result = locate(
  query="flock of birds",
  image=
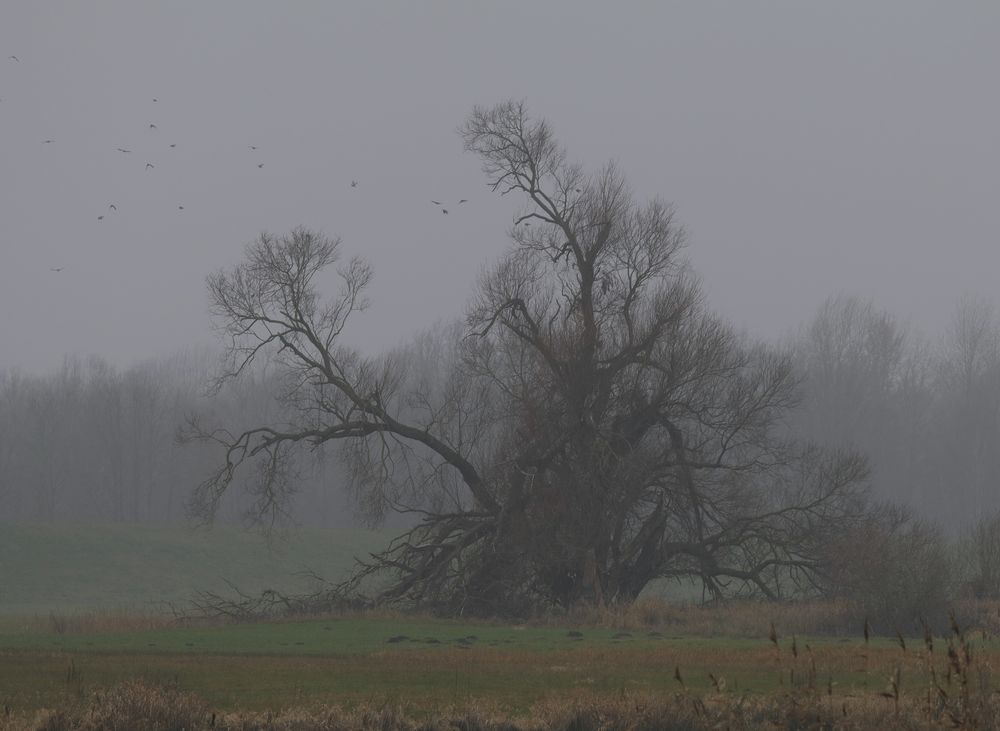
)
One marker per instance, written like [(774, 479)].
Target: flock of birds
[(444, 210), (113, 208)]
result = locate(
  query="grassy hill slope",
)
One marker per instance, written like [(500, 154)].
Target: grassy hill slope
[(67, 568)]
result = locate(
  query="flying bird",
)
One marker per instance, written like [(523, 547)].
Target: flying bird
[(100, 218), (437, 203), (444, 211), (14, 58), (464, 200), (174, 145), (152, 126), (56, 269), (113, 207), (122, 149), (150, 165), (47, 142), (260, 165), (155, 100), (180, 208), (354, 183), (252, 147)]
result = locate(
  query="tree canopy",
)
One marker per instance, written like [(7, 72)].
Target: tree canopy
[(590, 427)]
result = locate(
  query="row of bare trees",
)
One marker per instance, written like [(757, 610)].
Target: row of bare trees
[(86, 442), (927, 413), (90, 441), (94, 443)]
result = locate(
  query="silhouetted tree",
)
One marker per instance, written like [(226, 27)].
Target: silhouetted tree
[(592, 427)]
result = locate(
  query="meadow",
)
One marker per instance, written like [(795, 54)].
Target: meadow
[(425, 668), (67, 568), (64, 665)]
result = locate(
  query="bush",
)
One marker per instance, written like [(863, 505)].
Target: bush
[(980, 559), (897, 569)]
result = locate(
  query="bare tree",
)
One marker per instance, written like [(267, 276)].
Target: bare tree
[(853, 355), (968, 415), (867, 386), (591, 428)]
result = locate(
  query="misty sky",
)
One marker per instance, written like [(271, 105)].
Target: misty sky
[(810, 149)]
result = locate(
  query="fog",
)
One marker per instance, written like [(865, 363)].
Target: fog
[(812, 152)]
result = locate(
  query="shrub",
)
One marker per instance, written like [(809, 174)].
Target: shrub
[(896, 568), (980, 558)]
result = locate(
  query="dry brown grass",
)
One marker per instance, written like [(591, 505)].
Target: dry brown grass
[(752, 618), (100, 620), (905, 687), (136, 705), (729, 619)]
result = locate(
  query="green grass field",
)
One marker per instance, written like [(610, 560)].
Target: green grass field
[(60, 647), (422, 664), (73, 568)]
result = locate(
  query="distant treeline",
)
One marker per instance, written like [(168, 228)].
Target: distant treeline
[(925, 410), (97, 443), (91, 442)]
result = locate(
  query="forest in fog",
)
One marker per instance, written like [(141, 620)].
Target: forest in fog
[(93, 442)]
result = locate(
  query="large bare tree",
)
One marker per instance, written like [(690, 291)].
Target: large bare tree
[(591, 427)]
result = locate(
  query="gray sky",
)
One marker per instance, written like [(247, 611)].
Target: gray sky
[(810, 149)]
